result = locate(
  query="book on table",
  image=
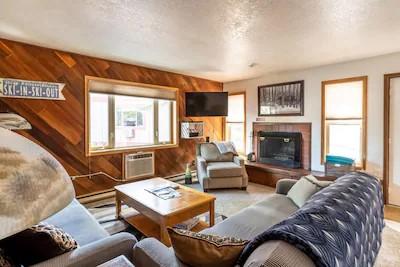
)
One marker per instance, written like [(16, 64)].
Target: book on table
[(164, 191), (188, 224)]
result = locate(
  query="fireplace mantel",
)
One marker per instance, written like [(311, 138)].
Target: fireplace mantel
[(303, 127)]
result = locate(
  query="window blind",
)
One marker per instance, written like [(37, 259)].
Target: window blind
[(235, 108), (132, 89), (344, 100)]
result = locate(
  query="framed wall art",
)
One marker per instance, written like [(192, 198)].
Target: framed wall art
[(281, 99)]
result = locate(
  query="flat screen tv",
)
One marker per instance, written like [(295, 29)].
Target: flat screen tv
[(201, 104)]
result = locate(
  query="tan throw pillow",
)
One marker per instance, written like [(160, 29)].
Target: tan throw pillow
[(195, 249), (304, 188), (301, 191), (319, 183), (38, 243)]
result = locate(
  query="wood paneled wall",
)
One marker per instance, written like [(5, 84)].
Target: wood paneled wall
[(59, 126)]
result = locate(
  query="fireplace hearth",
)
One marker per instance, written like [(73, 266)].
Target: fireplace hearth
[(280, 148)]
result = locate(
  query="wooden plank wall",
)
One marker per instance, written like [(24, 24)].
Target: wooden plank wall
[(59, 126)]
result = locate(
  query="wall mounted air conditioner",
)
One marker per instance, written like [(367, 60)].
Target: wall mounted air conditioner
[(138, 165)]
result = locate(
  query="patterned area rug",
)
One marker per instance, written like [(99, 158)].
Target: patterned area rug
[(104, 212), (229, 202)]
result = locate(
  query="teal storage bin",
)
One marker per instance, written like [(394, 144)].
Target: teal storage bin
[(338, 166), (339, 160)]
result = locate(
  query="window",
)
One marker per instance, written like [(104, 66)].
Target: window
[(235, 126), (344, 119), (123, 117)]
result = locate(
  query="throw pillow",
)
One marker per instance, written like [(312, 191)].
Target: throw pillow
[(195, 249), (5, 261), (38, 243), (301, 191), (319, 183), (304, 188)]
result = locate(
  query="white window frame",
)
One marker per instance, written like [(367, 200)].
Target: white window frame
[(325, 121), (236, 122), (111, 149)]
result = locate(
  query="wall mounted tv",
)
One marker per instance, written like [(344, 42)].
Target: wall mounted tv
[(201, 104)]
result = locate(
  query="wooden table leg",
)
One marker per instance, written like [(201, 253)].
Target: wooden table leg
[(212, 213), (164, 237), (117, 206)]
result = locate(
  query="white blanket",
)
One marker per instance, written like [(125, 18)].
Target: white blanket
[(226, 147)]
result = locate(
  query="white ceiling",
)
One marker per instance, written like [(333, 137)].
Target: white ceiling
[(214, 39)]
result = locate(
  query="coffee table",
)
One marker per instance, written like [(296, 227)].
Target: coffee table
[(156, 214)]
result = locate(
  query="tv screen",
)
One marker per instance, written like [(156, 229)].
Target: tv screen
[(201, 104)]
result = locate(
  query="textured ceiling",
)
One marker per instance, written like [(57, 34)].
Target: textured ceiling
[(213, 39)]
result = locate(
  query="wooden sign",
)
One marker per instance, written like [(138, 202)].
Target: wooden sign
[(31, 89)]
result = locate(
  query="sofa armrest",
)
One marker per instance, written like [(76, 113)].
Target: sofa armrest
[(150, 252), (283, 186), (95, 253), (238, 160)]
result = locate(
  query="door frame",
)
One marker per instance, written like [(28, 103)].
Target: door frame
[(386, 135)]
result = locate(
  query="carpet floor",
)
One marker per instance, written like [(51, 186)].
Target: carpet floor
[(229, 202)]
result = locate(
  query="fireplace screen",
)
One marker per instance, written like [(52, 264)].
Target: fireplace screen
[(280, 148)]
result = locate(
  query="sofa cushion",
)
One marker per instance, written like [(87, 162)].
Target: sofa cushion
[(79, 223), (255, 219), (210, 153), (196, 249), (223, 169)]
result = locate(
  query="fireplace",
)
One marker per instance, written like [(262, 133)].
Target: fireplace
[(280, 148)]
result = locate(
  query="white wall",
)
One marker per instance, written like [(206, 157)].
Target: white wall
[(374, 68)]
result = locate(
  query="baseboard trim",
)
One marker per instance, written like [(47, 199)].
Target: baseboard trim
[(96, 196)]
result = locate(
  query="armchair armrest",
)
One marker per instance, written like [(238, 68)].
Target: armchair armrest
[(283, 186), (201, 166), (150, 252), (238, 160), (200, 161), (95, 253)]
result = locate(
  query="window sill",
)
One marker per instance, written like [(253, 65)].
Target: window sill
[(129, 149)]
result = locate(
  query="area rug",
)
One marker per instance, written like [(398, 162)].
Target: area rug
[(231, 201), (389, 254), (104, 212)]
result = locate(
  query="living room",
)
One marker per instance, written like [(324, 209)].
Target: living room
[(199, 133)]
